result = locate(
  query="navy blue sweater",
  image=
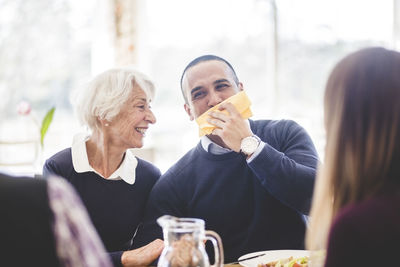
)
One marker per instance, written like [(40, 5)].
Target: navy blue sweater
[(253, 207), (116, 208)]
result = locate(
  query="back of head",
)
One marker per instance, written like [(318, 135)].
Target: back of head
[(362, 116), (362, 121), (106, 93)]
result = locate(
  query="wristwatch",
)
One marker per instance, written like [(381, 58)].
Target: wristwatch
[(249, 144)]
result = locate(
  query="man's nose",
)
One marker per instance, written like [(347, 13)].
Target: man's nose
[(214, 99)]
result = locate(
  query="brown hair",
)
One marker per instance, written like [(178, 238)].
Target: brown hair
[(362, 121)]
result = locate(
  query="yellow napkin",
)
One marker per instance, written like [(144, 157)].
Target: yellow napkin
[(240, 101)]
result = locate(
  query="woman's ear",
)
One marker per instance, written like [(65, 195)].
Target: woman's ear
[(103, 122)]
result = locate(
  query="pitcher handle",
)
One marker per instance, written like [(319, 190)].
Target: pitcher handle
[(218, 249)]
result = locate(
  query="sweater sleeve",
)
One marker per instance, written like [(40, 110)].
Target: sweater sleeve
[(50, 168), (76, 240), (287, 169), (163, 200), (116, 258)]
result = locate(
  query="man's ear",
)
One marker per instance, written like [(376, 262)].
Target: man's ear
[(188, 111), (240, 85)]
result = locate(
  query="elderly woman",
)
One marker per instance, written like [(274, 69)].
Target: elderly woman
[(113, 184)]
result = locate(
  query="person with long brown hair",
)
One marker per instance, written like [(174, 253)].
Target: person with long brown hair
[(355, 213)]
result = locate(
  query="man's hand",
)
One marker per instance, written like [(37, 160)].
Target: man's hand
[(231, 128), (143, 256)]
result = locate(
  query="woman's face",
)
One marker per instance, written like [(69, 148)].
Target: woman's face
[(129, 127)]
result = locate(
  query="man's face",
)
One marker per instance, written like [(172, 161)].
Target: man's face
[(207, 84)]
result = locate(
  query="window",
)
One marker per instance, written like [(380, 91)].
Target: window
[(282, 51)]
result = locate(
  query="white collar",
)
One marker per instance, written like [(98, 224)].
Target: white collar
[(80, 161), (212, 147)]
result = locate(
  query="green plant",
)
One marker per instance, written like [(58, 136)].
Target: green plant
[(48, 118), (24, 108)]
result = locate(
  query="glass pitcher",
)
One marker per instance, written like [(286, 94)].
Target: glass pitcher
[(184, 240)]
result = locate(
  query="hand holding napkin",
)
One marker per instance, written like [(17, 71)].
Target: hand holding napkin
[(240, 101)]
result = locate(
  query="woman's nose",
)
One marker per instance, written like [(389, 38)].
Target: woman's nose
[(150, 117)]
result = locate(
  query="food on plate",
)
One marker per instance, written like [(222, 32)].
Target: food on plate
[(287, 262)]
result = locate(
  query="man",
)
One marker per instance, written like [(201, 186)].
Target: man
[(251, 181)]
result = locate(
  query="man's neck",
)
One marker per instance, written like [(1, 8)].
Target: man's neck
[(216, 139)]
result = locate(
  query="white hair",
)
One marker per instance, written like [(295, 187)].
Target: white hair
[(104, 96)]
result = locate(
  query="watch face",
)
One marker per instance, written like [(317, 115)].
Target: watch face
[(249, 145)]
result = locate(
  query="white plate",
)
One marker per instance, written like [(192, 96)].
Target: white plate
[(271, 255)]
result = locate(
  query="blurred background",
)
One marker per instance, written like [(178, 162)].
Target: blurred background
[(282, 51)]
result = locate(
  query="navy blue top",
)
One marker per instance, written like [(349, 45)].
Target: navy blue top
[(26, 234), (116, 208), (366, 234), (253, 207)]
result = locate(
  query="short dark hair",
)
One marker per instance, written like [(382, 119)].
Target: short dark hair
[(202, 59)]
